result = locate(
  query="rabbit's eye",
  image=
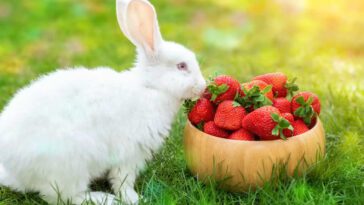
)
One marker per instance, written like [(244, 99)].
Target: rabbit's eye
[(182, 66)]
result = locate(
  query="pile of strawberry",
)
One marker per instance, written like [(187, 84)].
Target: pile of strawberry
[(265, 108)]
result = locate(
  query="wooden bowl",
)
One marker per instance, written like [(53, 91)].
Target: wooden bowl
[(241, 165)]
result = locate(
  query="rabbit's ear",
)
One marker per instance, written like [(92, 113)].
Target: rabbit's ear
[(138, 21)]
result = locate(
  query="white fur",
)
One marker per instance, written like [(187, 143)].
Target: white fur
[(73, 125)]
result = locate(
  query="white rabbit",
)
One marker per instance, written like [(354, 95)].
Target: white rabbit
[(73, 125)]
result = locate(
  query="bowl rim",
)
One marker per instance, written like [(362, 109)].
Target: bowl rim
[(288, 140)]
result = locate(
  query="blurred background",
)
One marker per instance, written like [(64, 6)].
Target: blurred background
[(243, 38), (320, 42)]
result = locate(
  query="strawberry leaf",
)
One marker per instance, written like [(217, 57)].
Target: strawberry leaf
[(290, 127), (267, 89), (305, 111), (260, 98), (300, 100), (254, 97), (275, 117), (275, 131), (300, 111), (282, 124), (213, 97), (216, 90), (222, 88)]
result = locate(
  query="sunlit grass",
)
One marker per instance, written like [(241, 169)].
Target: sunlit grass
[(320, 42)]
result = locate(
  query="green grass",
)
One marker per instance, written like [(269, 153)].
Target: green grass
[(321, 45)]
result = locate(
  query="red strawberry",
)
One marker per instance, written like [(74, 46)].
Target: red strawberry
[(279, 82), (223, 88), (202, 111), (282, 104), (211, 129), (299, 127), (255, 94), (306, 106), (242, 134), (229, 115), (266, 122), (288, 116)]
